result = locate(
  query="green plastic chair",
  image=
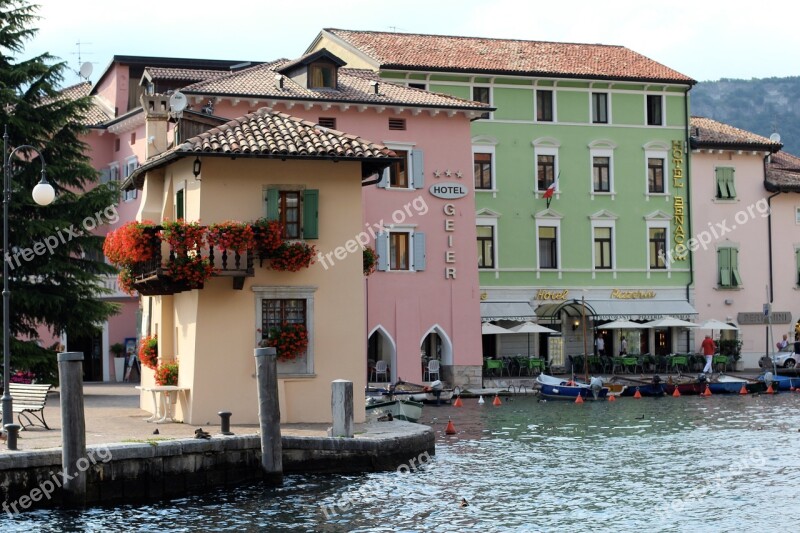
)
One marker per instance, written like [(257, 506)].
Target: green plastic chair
[(494, 364), (678, 362), (629, 363), (536, 364), (719, 360)]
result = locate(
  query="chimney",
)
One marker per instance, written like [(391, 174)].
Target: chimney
[(156, 110)]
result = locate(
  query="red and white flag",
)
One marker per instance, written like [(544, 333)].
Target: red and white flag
[(550, 190)]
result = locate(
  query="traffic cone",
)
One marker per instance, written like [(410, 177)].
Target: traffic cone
[(458, 402), (579, 399), (707, 391), (612, 398), (637, 394), (743, 390), (481, 400), (769, 389), (676, 393), (496, 400), (450, 429)]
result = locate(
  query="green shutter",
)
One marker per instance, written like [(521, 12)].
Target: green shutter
[(311, 214), (724, 261), (725, 186), (272, 204), (731, 187), (737, 280)]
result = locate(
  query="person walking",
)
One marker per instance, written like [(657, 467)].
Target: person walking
[(600, 345), (623, 347), (709, 347)]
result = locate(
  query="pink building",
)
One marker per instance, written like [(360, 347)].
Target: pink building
[(747, 234)]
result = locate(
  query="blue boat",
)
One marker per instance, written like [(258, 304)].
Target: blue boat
[(562, 389), (724, 384), (783, 382)]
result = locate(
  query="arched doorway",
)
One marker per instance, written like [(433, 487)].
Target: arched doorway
[(436, 345), (381, 347)]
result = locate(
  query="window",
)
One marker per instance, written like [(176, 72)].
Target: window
[(545, 171), (482, 95), (398, 172), (180, 204), (406, 173), (292, 305), (401, 250), (658, 247), (116, 144), (548, 247), (728, 264), (654, 110), (133, 138), (655, 175), (797, 266), (296, 209), (321, 76), (130, 165), (797, 215), (544, 106), (422, 86), (602, 248), (397, 124), (601, 174), (327, 122), (485, 246), (483, 170), (600, 108), (725, 186), (275, 313)]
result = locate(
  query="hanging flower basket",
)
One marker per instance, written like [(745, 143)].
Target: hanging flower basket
[(167, 374), (230, 235), (268, 236), (129, 244), (183, 236), (370, 260), (186, 240), (289, 340), (148, 351), (291, 257), (190, 269)]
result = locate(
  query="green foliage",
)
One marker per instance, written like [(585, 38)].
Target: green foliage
[(58, 289), (730, 347)]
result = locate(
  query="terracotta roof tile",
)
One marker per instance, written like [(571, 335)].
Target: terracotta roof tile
[(267, 133), (708, 133), (476, 54), (182, 74), (783, 173), (95, 115), (353, 86)]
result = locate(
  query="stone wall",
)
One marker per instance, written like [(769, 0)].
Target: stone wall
[(462, 376)]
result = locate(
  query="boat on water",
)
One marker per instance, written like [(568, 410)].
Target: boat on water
[(408, 410), (780, 382), (434, 394), (724, 384), (566, 389)]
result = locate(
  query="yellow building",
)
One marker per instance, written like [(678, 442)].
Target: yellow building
[(263, 164)]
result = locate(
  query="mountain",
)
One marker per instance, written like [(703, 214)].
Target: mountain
[(762, 106)]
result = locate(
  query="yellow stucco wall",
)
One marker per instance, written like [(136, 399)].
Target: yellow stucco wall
[(213, 330)]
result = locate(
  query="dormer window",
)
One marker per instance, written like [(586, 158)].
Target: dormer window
[(321, 76)]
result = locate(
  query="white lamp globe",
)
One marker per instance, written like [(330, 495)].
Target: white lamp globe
[(44, 194)]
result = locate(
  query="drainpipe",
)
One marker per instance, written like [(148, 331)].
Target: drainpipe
[(769, 237), (688, 188)]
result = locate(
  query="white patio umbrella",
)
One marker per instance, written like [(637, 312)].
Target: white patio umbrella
[(530, 327), (715, 324), (670, 322), (487, 328), (622, 324)]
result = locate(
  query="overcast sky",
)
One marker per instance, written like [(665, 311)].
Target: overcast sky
[(704, 39)]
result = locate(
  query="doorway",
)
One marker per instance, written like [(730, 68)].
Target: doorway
[(92, 348)]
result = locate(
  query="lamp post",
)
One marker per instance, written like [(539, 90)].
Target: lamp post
[(43, 194)]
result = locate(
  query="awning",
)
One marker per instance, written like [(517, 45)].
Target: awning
[(619, 309), (519, 311)]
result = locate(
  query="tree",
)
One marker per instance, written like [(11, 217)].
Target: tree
[(58, 287)]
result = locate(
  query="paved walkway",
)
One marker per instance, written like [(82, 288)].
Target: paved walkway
[(113, 415)]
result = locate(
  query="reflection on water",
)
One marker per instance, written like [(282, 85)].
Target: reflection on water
[(666, 464)]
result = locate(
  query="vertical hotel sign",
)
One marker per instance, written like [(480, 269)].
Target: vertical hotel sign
[(678, 203)]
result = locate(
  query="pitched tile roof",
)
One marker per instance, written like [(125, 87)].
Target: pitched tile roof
[(537, 58), (95, 115), (188, 75), (783, 173), (708, 133), (354, 86), (269, 134)]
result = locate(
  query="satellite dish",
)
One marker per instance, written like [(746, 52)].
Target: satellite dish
[(775, 137), (85, 70), (177, 102)]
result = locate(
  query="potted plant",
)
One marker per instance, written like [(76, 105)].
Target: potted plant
[(370, 260), (148, 351), (118, 351), (167, 374), (291, 257), (732, 348), (289, 340)]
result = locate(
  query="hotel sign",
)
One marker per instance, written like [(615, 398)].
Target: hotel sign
[(632, 295), (552, 295), (778, 317), (448, 190), (678, 204)]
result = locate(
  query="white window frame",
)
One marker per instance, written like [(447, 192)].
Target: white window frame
[(608, 121), (655, 154), (658, 224), (545, 146), (536, 105), (180, 186), (113, 171), (131, 163), (602, 152), (394, 228), (549, 223), (484, 149), (606, 223), (663, 110), (288, 293), (490, 221), (408, 148), (491, 97)]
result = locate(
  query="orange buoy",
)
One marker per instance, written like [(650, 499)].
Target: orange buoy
[(579, 399), (769, 389), (676, 393), (708, 391), (612, 398), (743, 390), (450, 429), (496, 400), (637, 394), (458, 402)]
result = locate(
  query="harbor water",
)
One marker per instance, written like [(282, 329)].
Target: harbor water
[(658, 464)]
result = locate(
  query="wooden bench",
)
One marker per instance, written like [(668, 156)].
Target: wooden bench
[(29, 400)]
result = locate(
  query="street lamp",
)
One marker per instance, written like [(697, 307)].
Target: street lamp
[(43, 194)]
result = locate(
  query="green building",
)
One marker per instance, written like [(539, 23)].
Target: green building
[(602, 127)]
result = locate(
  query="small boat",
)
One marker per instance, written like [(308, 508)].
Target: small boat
[(724, 384), (782, 382), (435, 393), (556, 388), (401, 409), (686, 385), (655, 387)]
